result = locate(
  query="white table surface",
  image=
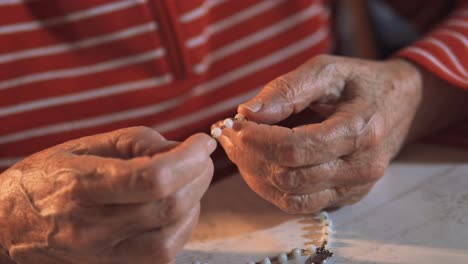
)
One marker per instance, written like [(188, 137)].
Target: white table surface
[(418, 213)]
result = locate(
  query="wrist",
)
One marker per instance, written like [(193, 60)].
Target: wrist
[(441, 103), (406, 95), (407, 77)]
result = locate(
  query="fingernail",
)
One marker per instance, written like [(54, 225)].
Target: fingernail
[(212, 144), (253, 106)]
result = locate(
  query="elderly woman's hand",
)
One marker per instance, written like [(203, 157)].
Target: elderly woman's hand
[(127, 196), (369, 108)]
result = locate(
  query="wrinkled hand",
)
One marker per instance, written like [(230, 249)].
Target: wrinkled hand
[(369, 107), (127, 196)]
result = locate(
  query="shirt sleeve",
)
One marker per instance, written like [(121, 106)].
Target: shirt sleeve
[(444, 50)]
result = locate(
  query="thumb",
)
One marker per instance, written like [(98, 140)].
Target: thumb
[(272, 104), (293, 92)]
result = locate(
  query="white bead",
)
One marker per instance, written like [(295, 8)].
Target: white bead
[(228, 123), (283, 258), (251, 262), (325, 222), (216, 132), (266, 261), (296, 253), (312, 249), (239, 117)]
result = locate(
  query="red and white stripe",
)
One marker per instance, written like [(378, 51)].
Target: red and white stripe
[(93, 66), (200, 11), (68, 18), (120, 75), (445, 50), (81, 44)]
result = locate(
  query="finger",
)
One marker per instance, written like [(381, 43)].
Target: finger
[(123, 143), (272, 144), (356, 125), (336, 174), (261, 160), (144, 179), (124, 220), (292, 203), (358, 169), (34, 254), (100, 225), (317, 80), (305, 179), (160, 245), (178, 204)]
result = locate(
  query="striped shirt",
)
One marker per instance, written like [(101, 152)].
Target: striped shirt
[(74, 68)]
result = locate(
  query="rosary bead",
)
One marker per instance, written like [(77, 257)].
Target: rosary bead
[(283, 258), (296, 253), (228, 123), (216, 132), (312, 249)]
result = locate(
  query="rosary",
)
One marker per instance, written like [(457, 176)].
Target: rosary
[(312, 254)]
